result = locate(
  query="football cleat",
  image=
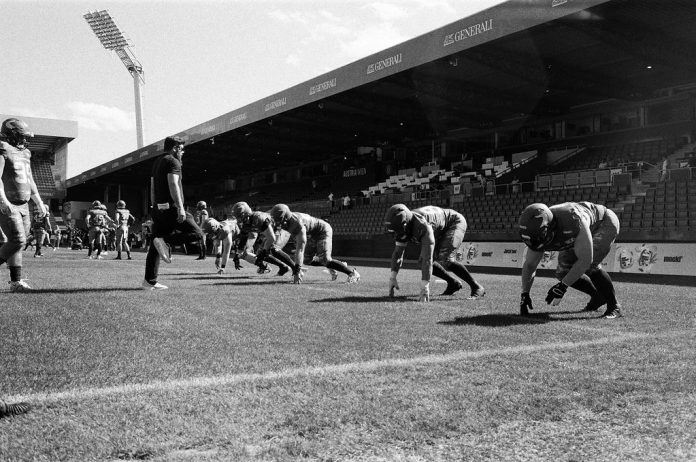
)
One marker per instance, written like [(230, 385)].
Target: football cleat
[(19, 286), (263, 269), (156, 286), (162, 249), (13, 409), (334, 274), (353, 277), (282, 271), (595, 303), (452, 288), (613, 312), (480, 292)]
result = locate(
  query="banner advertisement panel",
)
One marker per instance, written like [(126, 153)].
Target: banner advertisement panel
[(637, 258)]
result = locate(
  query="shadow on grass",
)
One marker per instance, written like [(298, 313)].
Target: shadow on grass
[(502, 320), (247, 281), (215, 277), (359, 299), (78, 290)]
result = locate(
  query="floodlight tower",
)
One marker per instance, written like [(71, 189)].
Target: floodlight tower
[(111, 37)]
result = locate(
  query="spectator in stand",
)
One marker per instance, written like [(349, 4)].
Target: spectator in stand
[(346, 201), (665, 169), (331, 200), (515, 185)]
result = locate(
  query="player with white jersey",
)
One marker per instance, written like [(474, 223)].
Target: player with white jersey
[(582, 233), (124, 219), (97, 221), (17, 186), (223, 234), (439, 232), (302, 227)]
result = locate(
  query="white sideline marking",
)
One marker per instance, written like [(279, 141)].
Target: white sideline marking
[(233, 379)]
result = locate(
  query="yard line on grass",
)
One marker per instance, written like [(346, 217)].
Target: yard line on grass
[(363, 366)]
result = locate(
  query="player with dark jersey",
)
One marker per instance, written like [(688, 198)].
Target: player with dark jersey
[(439, 232), (302, 227), (41, 229), (123, 219), (97, 221), (582, 233), (17, 186), (257, 228), (200, 217)]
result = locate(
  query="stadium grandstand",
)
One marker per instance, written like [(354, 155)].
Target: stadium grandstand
[(538, 100), (49, 161)]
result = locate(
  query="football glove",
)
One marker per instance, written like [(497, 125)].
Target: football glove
[(556, 293), (237, 265), (424, 292), (525, 304), (393, 284)]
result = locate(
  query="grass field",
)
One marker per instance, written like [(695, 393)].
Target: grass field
[(249, 367)]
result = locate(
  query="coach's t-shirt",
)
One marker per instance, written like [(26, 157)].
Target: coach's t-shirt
[(163, 166)]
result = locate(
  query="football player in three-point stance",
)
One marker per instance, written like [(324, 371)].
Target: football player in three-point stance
[(200, 217), (123, 220), (439, 232), (583, 233), (303, 227), (258, 226), (223, 233), (17, 186)]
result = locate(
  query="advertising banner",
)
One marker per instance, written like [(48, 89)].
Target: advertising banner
[(637, 258)]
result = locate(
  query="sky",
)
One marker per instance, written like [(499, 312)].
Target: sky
[(201, 58)]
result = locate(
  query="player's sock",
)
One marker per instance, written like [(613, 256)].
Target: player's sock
[(440, 272), (463, 273), (604, 286), (15, 273), (274, 261), (339, 266), (584, 285), (282, 256)]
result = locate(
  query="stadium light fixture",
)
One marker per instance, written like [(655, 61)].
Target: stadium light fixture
[(112, 38)]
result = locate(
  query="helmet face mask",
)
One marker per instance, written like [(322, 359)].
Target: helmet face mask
[(536, 226), (241, 211), (397, 221), (16, 132), (280, 213)]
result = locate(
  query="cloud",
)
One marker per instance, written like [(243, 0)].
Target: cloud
[(94, 116), (387, 11), (293, 59), (372, 40)]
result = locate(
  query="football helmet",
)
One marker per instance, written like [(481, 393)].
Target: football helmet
[(16, 132), (241, 211), (536, 226), (121, 204), (201, 205), (210, 226), (96, 204), (397, 219), (280, 213)]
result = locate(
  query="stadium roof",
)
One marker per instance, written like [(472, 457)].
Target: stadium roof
[(520, 60), (49, 134)]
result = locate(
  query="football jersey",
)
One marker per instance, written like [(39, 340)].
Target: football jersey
[(16, 174), (257, 222), (567, 216), (97, 218), (227, 228), (438, 218), (122, 217), (313, 226)]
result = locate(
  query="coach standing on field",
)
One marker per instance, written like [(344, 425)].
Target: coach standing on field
[(168, 213)]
